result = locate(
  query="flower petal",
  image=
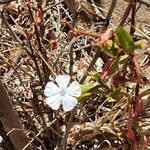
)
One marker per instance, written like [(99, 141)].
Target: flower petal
[(69, 102), (51, 89), (74, 89), (63, 81), (54, 101)]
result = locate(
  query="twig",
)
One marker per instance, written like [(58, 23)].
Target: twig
[(49, 7), (32, 55), (10, 29), (126, 14), (23, 46), (16, 65), (145, 2), (78, 49), (50, 68), (35, 104), (42, 51), (133, 13), (67, 13), (5, 1), (64, 140), (91, 65), (24, 148), (112, 7), (71, 57), (146, 36), (39, 140)]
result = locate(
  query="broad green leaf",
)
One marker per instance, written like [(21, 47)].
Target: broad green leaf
[(91, 88), (86, 87), (126, 41), (85, 91), (96, 75), (84, 97)]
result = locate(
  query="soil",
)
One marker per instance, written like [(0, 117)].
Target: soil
[(142, 16)]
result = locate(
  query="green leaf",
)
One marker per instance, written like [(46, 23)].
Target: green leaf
[(85, 91), (114, 49), (122, 61), (98, 90), (96, 75), (140, 44), (84, 97), (90, 88), (118, 64), (86, 87), (126, 41)]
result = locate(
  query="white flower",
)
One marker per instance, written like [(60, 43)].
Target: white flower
[(62, 93)]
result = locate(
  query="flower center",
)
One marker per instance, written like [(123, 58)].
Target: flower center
[(62, 92)]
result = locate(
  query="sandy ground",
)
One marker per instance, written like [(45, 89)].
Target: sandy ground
[(142, 17)]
